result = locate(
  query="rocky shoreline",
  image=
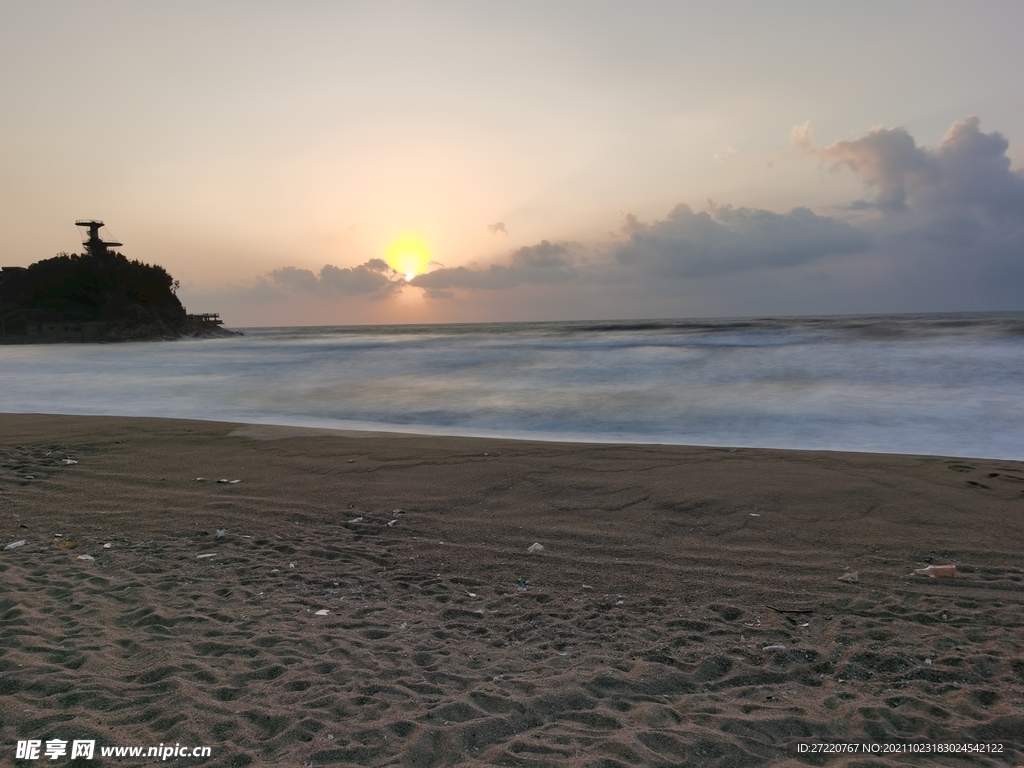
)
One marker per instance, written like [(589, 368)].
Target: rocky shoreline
[(70, 332)]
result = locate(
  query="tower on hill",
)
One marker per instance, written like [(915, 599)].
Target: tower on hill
[(93, 244)]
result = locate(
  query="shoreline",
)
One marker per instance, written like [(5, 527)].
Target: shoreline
[(280, 431), (637, 634)]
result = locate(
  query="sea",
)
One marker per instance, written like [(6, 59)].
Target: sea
[(946, 385)]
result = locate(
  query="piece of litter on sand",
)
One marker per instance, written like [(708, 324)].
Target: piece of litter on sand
[(471, 594), (397, 512), (67, 544), (535, 547), (274, 571), (850, 578), (936, 571), (30, 477), (392, 523), (356, 520), (15, 544), (108, 545), (199, 480), (86, 557), (68, 461), (219, 533), (291, 565), (208, 554), (774, 648), (754, 514), (228, 482), (322, 612)]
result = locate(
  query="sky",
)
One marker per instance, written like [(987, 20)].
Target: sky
[(321, 163)]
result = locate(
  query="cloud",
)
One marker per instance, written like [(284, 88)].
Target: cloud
[(888, 160), (728, 156), (939, 217), (968, 174), (802, 136), (544, 263), (726, 240), (685, 244), (939, 229), (374, 279)]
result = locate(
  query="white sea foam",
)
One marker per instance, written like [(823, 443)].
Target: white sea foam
[(931, 384)]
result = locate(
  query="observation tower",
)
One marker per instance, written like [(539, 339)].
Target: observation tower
[(93, 244)]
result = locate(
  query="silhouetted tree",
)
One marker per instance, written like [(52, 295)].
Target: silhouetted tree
[(78, 287)]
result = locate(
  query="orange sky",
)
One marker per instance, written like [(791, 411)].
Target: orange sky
[(229, 141)]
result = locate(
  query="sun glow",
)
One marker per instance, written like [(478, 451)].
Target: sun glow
[(408, 254)]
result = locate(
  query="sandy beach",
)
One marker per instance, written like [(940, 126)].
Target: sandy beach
[(373, 599)]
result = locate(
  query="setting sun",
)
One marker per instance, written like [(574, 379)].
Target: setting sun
[(409, 254)]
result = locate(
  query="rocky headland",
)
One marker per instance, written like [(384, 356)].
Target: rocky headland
[(97, 296)]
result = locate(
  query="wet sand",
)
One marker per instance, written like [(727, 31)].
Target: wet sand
[(636, 636)]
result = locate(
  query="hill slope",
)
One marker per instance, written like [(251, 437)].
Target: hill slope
[(119, 299)]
